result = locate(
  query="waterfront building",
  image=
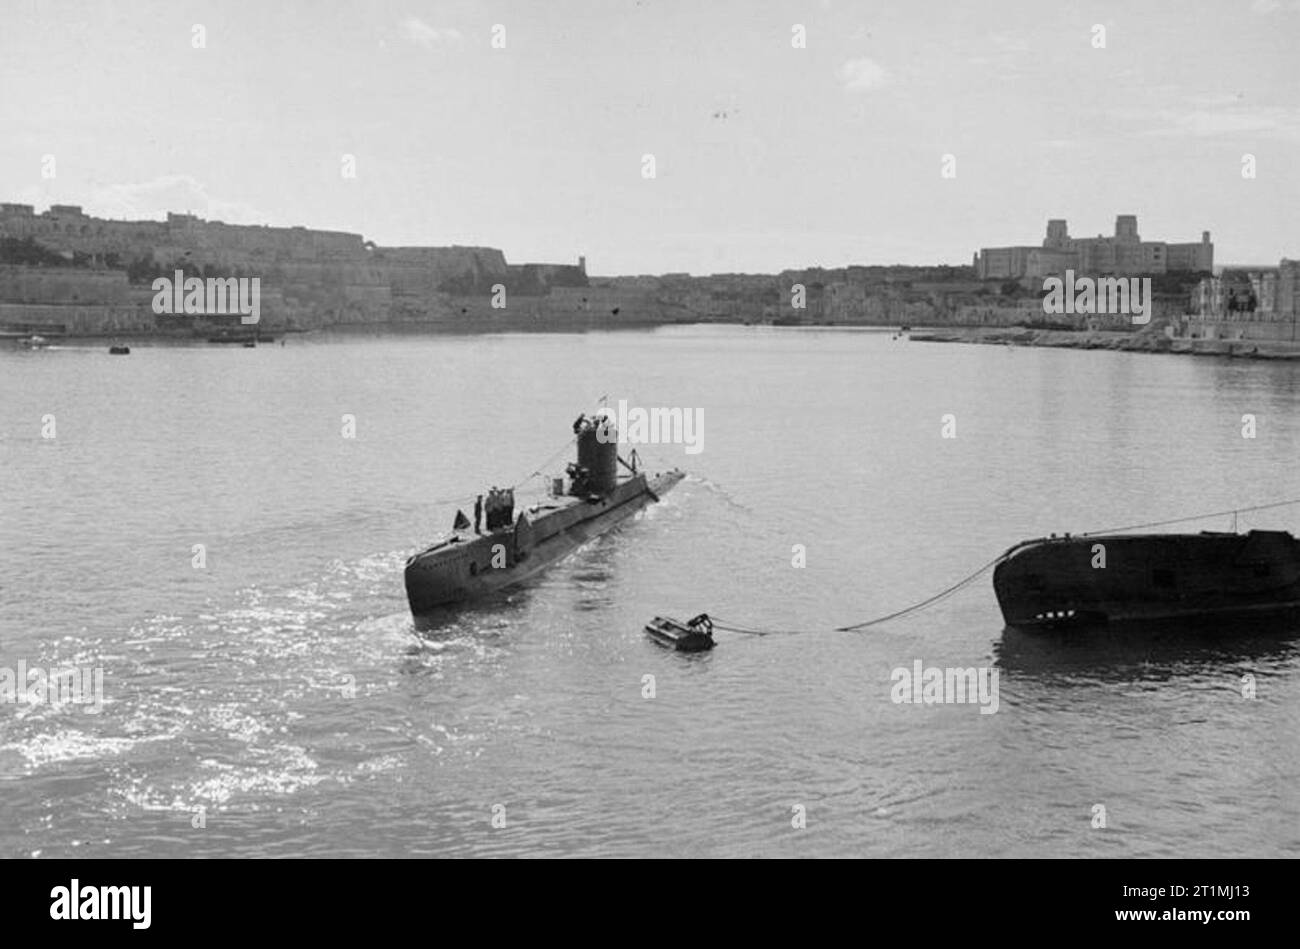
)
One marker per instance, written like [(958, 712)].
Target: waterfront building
[(1245, 304), (1123, 254)]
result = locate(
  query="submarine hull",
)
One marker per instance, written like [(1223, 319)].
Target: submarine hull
[(463, 568), (1137, 577)]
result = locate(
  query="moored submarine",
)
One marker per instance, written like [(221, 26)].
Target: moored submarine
[(594, 497), (1119, 578)]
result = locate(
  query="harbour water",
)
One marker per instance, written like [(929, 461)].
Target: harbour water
[(274, 699)]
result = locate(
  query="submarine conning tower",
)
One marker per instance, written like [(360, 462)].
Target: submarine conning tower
[(597, 454)]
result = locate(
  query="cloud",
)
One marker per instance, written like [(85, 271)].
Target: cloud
[(862, 75), (1007, 55), (1004, 43), (1265, 7), (422, 34), (1218, 100), (1203, 124), (151, 200), (1213, 116)]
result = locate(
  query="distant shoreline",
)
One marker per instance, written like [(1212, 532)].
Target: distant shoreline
[(1116, 341), (457, 328)]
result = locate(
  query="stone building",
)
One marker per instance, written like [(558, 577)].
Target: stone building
[(1124, 254), (1263, 295)]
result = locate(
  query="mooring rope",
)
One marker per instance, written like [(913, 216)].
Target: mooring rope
[(943, 594), (563, 448), (1187, 520), (728, 626), (545, 464), (961, 584), (467, 499)]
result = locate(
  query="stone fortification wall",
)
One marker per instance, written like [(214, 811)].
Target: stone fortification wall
[(62, 285), (310, 278)]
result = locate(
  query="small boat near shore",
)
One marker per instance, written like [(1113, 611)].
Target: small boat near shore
[(1115, 578), (248, 338), (119, 350)]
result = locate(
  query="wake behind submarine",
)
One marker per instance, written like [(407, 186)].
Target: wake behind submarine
[(593, 498)]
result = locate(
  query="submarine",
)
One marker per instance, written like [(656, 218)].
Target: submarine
[(1120, 578), (594, 497)]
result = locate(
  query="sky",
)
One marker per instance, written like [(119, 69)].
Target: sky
[(767, 154)]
